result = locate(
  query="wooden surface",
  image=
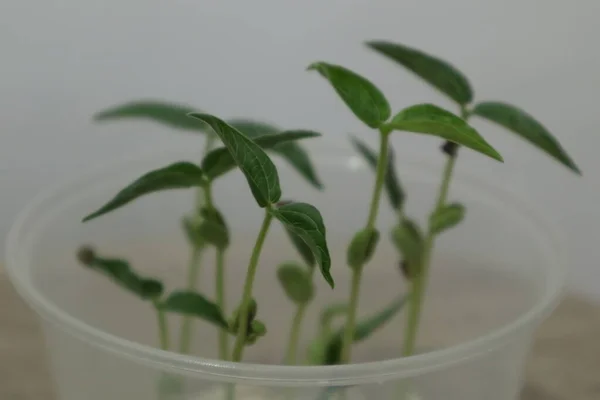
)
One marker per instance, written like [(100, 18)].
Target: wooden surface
[(565, 364)]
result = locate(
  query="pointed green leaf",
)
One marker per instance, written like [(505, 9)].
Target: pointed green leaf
[(306, 222), (365, 100), (168, 114), (524, 125), (362, 247), (296, 282), (435, 71), (284, 146), (409, 240), (332, 346), (258, 168), (446, 217), (120, 272), (433, 120), (302, 248), (213, 229), (180, 175), (392, 184), (195, 305)]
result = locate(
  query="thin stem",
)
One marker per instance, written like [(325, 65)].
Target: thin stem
[(220, 288), (163, 328), (290, 357), (371, 220), (247, 295), (192, 279), (419, 285)]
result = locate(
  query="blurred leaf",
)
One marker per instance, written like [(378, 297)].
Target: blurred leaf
[(365, 100), (258, 168), (180, 175), (296, 282), (190, 227), (409, 240), (432, 120), (305, 221), (328, 351), (213, 229), (433, 70), (392, 184), (524, 125), (168, 114), (120, 272), (446, 217), (195, 305), (362, 247)]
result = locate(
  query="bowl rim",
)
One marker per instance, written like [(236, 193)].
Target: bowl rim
[(279, 375)]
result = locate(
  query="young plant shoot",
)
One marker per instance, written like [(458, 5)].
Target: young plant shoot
[(245, 147)]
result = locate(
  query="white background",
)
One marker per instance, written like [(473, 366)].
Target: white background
[(62, 60)]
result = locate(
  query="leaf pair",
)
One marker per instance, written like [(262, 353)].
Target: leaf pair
[(326, 349), (176, 116), (450, 81)]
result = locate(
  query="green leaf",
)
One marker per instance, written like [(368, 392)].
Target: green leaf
[(362, 247), (213, 229), (392, 184), (331, 346), (306, 222), (524, 125), (180, 175), (120, 272), (290, 151), (435, 71), (190, 227), (432, 120), (168, 114), (302, 248), (365, 100), (446, 217), (296, 283), (195, 305), (258, 168), (409, 240)]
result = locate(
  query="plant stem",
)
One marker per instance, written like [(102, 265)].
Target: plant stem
[(419, 285), (163, 328), (357, 272), (220, 288), (186, 325), (290, 357), (247, 295)]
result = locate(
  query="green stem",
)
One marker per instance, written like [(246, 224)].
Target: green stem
[(193, 272), (290, 357), (357, 272), (163, 328), (240, 342), (419, 285), (220, 288)]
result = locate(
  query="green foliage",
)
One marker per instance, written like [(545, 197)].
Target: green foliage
[(213, 228), (168, 114), (365, 100), (296, 282), (433, 120), (326, 349), (409, 240), (446, 217), (527, 127), (393, 188), (433, 70), (180, 175), (258, 168), (302, 248), (306, 222), (120, 272), (195, 305), (362, 247)]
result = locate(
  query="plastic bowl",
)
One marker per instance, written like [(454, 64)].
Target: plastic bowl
[(494, 278)]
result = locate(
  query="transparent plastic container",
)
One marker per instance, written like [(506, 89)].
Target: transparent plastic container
[(494, 278)]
